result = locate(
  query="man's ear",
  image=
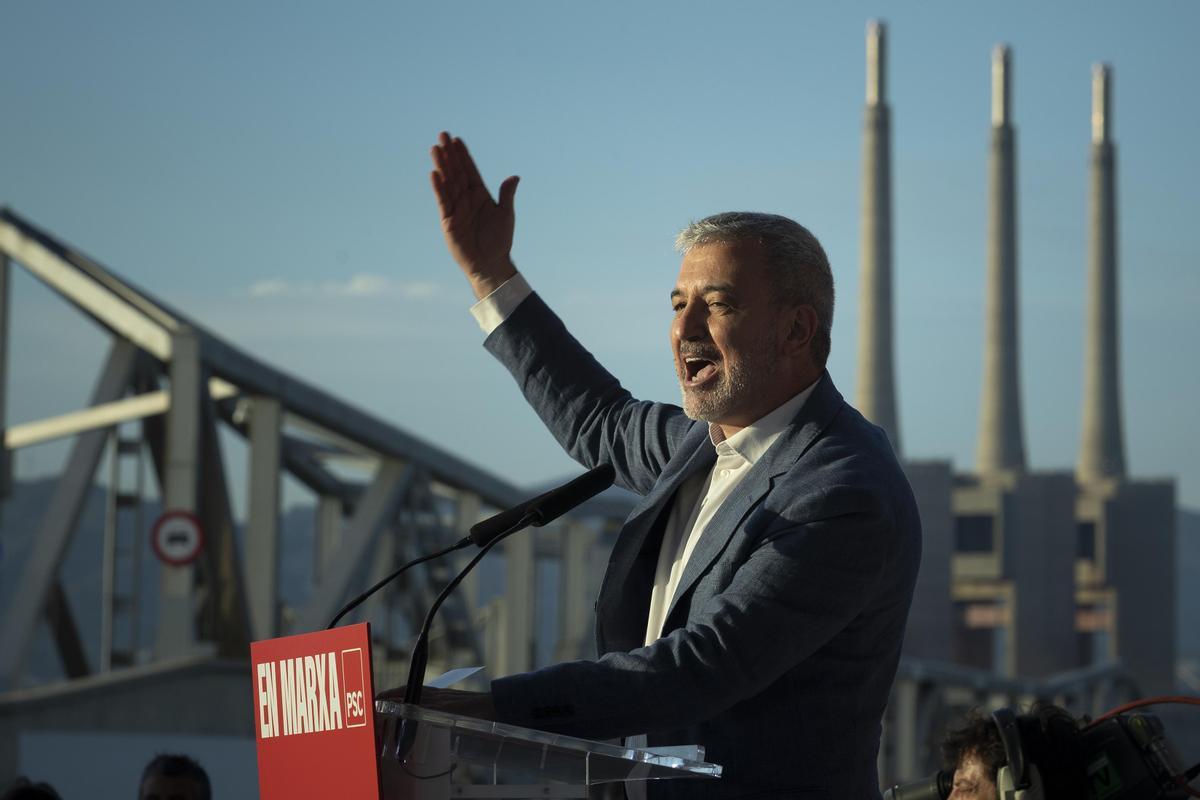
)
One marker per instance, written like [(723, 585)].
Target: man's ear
[(802, 327)]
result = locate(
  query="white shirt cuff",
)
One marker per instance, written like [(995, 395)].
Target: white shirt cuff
[(492, 310)]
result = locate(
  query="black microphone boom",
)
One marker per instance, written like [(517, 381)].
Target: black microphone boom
[(483, 532), (555, 503), (546, 507)]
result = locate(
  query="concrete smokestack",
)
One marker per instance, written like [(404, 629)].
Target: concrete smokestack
[(1102, 450), (876, 375), (1001, 438)]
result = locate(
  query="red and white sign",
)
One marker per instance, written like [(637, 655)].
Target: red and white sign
[(177, 538), (314, 721)]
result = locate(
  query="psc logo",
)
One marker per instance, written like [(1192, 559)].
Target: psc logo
[(355, 688)]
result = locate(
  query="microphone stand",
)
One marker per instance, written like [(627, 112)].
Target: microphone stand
[(346, 609), (420, 653)]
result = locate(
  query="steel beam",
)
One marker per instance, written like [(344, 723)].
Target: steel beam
[(104, 415), (328, 535), (116, 304), (376, 508), (520, 585), (384, 559), (5, 453), (224, 618), (467, 513), (299, 461), (262, 529), (336, 418), (54, 535), (49, 265), (181, 481), (574, 595), (298, 456), (66, 633)]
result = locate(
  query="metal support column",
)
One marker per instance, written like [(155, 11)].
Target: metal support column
[(181, 479), (328, 535), (520, 580), (575, 592), (54, 535), (5, 453), (224, 618), (124, 541), (374, 510), (466, 514), (262, 531)]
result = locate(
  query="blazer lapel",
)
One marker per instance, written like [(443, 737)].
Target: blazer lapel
[(625, 593), (817, 412)]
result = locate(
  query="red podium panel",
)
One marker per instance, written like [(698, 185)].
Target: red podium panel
[(314, 724)]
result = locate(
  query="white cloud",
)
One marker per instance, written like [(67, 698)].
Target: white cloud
[(364, 284), (269, 288)]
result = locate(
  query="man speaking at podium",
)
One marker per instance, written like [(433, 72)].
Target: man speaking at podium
[(756, 597)]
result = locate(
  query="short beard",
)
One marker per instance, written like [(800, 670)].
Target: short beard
[(737, 383)]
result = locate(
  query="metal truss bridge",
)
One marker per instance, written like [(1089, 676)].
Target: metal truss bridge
[(176, 384)]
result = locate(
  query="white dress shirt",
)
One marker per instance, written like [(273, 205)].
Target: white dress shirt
[(701, 496)]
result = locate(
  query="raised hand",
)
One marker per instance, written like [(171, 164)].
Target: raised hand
[(478, 230)]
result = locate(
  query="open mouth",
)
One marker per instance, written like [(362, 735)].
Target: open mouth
[(698, 371)]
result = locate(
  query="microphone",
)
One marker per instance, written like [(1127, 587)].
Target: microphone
[(538, 511), (936, 787), (542, 509), (546, 507), (553, 504), (483, 532)]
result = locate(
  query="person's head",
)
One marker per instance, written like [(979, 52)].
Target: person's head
[(975, 752), (174, 777), (24, 789), (1049, 740), (753, 310)]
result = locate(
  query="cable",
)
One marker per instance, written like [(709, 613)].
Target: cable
[(420, 653), (412, 774), (1182, 779), (1161, 699), (346, 609)]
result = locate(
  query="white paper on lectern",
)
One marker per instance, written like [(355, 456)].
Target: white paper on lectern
[(448, 679)]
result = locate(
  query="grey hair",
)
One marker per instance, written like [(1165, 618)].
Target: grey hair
[(795, 259)]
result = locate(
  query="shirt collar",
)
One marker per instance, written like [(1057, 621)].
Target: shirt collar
[(752, 441)]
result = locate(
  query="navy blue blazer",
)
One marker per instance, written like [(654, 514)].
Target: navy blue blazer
[(782, 640)]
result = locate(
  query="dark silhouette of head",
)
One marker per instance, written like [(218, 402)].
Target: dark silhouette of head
[(171, 776), (24, 789)]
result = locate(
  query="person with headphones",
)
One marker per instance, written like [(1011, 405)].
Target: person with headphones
[(1034, 756)]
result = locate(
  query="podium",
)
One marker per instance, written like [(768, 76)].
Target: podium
[(424, 754)]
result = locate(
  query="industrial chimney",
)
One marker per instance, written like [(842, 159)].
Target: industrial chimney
[(1001, 438), (1102, 450), (876, 376)]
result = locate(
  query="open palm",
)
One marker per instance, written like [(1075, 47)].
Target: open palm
[(478, 229)]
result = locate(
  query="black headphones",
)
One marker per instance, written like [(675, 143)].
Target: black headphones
[(1016, 780)]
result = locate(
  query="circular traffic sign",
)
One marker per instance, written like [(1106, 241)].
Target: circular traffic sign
[(177, 538)]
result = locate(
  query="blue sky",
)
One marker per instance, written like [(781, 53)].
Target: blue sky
[(263, 167)]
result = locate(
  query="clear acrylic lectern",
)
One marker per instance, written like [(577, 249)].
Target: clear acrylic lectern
[(423, 753)]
